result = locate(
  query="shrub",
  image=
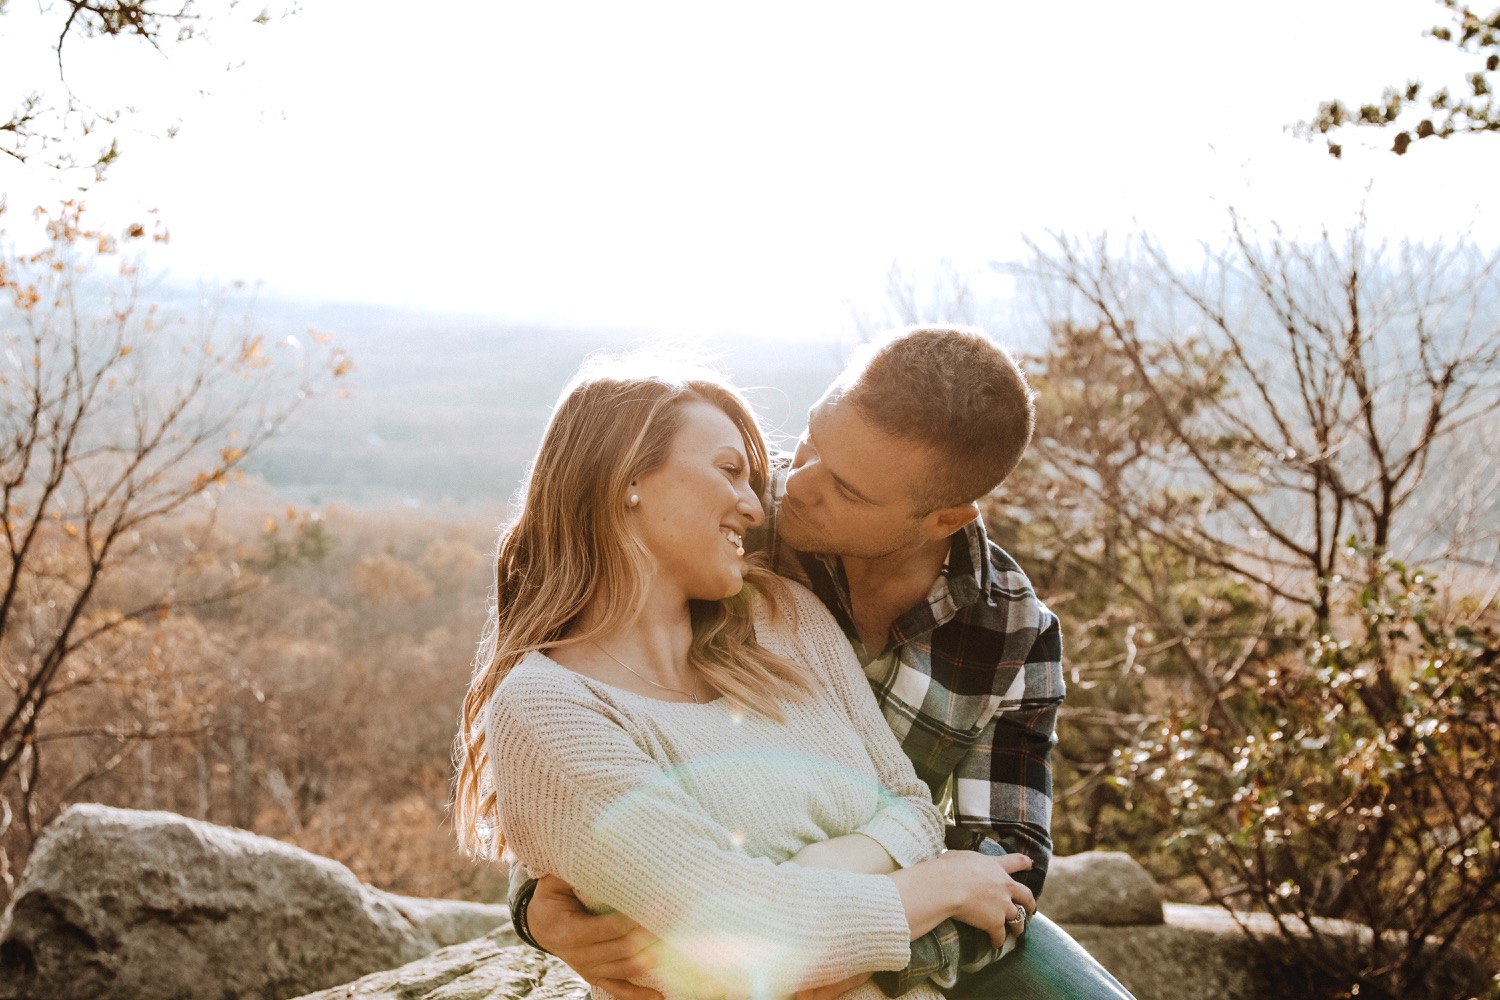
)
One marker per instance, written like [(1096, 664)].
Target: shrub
[(1360, 781)]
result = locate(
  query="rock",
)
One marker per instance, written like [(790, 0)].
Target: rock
[(1100, 887), (122, 903), (1196, 952), (490, 968), (1200, 951), (449, 921)]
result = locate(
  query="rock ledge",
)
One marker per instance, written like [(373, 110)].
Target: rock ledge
[(139, 905)]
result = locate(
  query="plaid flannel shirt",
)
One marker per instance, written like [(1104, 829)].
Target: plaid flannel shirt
[(970, 683)]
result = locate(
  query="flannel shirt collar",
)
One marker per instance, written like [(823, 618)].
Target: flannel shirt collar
[(966, 580), (968, 564)]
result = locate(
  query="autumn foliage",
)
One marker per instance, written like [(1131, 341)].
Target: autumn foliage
[(119, 417)]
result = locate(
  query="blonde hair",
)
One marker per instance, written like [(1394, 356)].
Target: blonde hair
[(571, 547)]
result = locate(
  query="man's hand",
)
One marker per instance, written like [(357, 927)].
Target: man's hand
[(833, 989), (610, 951)]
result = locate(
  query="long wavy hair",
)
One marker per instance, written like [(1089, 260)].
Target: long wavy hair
[(570, 546)]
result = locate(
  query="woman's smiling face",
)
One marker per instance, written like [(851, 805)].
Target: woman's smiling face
[(696, 506)]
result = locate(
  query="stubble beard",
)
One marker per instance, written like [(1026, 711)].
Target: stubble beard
[(798, 533)]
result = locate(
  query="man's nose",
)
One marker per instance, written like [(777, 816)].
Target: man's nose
[(799, 481)]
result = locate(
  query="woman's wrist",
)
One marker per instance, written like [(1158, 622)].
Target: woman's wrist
[(852, 852), (930, 893)]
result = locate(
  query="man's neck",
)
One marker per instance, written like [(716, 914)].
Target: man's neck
[(885, 587)]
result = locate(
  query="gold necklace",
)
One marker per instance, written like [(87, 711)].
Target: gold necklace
[(686, 694)]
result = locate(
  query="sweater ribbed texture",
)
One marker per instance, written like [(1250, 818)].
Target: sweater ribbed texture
[(683, 816)]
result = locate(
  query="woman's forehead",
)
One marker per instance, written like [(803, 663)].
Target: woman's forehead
[(704, 426)]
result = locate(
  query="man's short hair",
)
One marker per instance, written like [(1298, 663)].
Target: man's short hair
[(956, 393)]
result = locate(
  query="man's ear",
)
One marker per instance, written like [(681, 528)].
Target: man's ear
[(946, 520)]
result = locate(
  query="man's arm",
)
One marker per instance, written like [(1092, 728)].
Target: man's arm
[(1002, 804), (606, 950), (1002, 787), (518, 896)]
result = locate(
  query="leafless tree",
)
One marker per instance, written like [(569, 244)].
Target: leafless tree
[(1351, 372), (114, 418), (52, 125), (1303, 422), (913, 295)]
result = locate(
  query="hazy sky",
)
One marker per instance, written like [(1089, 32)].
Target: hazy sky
[(707, 168)]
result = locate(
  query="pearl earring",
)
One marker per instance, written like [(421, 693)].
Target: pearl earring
[(634, 499)]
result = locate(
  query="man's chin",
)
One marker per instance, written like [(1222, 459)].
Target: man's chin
[(801, 538)]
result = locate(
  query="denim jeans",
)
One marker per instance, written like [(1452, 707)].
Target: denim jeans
[(1046, 965)]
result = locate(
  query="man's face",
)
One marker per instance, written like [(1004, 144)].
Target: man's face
[(852, 489)]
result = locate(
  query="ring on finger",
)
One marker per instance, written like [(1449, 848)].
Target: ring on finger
[(1020, 917)]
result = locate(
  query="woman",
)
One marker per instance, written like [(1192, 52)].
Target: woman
[(665, 725)]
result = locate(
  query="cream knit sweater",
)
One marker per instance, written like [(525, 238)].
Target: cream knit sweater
[(683, 816)]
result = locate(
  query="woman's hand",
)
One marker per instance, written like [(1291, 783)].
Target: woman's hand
[(968, 886)]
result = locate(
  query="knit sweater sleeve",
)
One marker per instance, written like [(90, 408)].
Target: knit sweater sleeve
[(906, 824), (580, 798)]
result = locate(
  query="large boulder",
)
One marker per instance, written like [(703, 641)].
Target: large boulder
[(1101, 887), (144, 905)]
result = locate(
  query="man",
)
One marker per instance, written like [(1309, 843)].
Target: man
[(877, 516)]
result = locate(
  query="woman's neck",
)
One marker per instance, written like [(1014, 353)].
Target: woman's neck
[(653, 646), (651, 643)]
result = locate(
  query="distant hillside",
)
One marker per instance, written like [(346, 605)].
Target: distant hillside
[(445, 410)]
